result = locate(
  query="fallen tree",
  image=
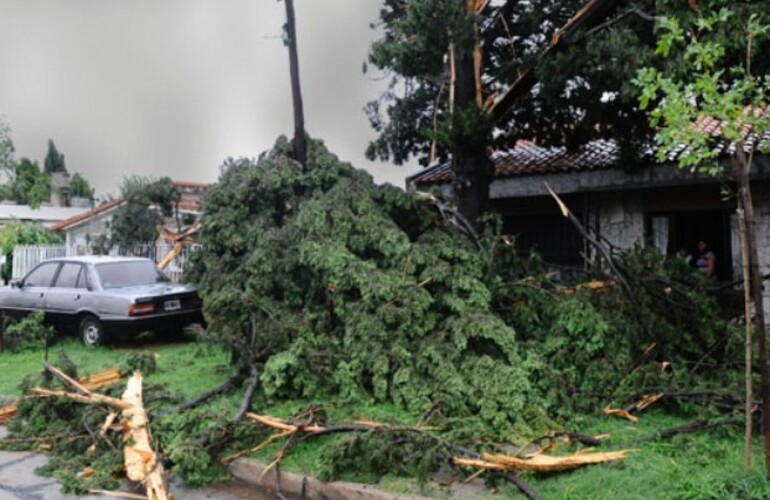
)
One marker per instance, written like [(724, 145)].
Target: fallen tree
[(319, 281), (323, 285)]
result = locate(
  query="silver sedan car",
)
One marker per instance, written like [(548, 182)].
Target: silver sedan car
[(101, 296)]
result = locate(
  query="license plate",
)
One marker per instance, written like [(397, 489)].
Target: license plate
[(172, 305)]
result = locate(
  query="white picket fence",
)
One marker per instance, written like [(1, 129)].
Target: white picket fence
[(25, 257)]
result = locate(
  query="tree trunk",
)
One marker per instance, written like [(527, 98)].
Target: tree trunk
[(741, 171), (300, 146), (470, 164), (748, 344)]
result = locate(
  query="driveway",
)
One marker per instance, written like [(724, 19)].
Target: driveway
[(19, 482)]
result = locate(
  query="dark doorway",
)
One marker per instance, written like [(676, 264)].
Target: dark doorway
[(677, 230), (552, 236)]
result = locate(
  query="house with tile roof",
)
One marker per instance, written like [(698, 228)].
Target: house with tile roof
[(44, 215), (644, 202), (81, 230)]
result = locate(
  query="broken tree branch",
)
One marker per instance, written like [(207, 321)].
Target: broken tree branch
[(614, 270), (225, 387), (141, 461), (248, 397)]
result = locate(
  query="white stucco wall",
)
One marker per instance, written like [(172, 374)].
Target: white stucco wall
[(621, 221)]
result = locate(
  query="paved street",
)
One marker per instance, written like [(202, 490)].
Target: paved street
[(19, 482)]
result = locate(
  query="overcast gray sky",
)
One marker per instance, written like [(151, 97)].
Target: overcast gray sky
[(172, 87)]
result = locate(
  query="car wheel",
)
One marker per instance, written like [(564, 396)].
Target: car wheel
[(91, 331)]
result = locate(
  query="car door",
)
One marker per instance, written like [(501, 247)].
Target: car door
[(66, 296), (32, 290)]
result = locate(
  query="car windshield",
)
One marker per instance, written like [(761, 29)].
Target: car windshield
[(129, 273)]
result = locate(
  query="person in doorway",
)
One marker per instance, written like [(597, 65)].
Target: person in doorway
[(685, 256), (706, 261)]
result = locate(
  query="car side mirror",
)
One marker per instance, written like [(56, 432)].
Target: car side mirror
[(17, 284)]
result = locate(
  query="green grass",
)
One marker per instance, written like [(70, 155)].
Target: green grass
[(705, 465), (187, 368)]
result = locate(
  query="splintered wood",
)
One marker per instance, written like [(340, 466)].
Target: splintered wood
[(91, 382), (640, 405), (141, 462), (539, 463), (617, 412)]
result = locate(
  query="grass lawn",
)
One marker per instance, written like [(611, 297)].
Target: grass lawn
[(706, 465), (188, 368)]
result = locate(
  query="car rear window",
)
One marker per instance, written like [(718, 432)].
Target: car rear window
[(130, 273)]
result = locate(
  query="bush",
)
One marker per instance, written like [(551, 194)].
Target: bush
[(30, 333)]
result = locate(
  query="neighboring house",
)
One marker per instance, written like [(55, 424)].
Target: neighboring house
[(649, 203), (191, 204), (45, 215), (84, 228), (60, 194)]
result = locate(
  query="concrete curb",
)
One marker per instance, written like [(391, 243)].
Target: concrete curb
[(308, 487)]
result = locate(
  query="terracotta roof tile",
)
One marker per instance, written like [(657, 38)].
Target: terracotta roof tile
[(86, 215), (527, 158)]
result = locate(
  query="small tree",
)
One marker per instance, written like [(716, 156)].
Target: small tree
[(147, 202), (80, 187), (710, 89), (54, 161)]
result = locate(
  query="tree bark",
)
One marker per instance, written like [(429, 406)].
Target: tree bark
[(741, 172), (470, 164), (300, 145), (748, 342)]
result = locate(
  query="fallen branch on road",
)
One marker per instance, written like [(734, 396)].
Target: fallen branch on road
[(141, 461)]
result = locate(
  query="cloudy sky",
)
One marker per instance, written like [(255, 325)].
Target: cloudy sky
[(172, 87)]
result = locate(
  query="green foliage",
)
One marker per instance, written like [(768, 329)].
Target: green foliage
[(19, 233), (364, 292), (354, 289), (7, 148), (30, 186), (54, 161), (147, 202), (584, 90), (64, 424), (589, 344), (376, 454), (714, 87), (28, 334), (143, 361), (80, 187)]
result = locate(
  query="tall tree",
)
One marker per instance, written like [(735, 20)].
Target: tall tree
[(6, 148), (290, 39), (710, 86), (54, 161), (468, 76)]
